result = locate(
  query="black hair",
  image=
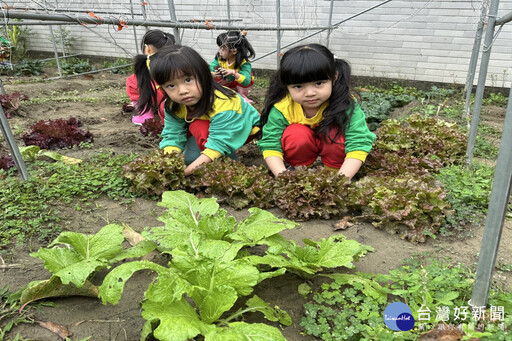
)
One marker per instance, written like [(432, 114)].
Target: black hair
[(147, 95), (236, 40), (310, 63), (174, 61)]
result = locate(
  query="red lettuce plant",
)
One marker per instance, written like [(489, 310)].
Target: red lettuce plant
[(311, 193), (239, 185), (397, 191), (56, 134), (423, 137), (412, 208), (6, 162), (399, 164), (11, 102), (152, 127), (156, 173)]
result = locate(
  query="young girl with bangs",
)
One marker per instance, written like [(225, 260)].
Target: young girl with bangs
[(310, 113), (217, 118)]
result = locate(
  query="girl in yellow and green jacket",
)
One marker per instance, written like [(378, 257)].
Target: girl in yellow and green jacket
[(231, 66), (310, 113), (217, 118)]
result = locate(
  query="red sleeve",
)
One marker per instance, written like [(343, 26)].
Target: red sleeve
[(131, 88)]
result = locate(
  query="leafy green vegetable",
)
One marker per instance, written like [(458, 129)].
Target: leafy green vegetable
[(155, 173), (312, 193), (334, 252), (351, 306), (238, 185), (211, 267)]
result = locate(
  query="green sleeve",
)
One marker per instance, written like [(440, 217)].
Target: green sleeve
[(174, 133), (245, 70), (273, 132), (357, 136), (213, 64), (229, 130)]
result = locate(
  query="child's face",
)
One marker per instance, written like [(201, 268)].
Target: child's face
[(227, 53), (311, 95), (184, 90)]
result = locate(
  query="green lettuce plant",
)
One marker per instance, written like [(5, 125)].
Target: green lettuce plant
[(212, 267), (74, 259)]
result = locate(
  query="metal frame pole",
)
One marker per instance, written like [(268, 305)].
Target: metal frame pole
[(330, 22), (228, 9), (496, 213), (116, 21), (61, 37), (172, 11), (482, 76), (13, 147), (134, 29), (278, 33), (474, 59), (55, 48), (144, 15)]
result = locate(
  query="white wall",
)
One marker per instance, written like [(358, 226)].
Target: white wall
[(426, 40)]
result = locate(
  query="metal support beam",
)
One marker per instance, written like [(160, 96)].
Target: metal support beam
[(13, 147), (331, 7), (137, 22), (134, 29), (228, 10), (172, 12), (482, 77), (474, 60), (278, 34), (504, 19), (495, 214)]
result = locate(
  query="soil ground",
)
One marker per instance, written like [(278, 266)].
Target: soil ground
[(113, 130)]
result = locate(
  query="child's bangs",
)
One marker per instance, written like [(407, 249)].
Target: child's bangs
[(172, 67), (307, 67)]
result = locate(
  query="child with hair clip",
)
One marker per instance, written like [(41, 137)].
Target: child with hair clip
[(146, 98), (231, 66), (217, 118), (309, 113)]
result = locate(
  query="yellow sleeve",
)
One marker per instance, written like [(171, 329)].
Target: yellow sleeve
[(170, 149), (357, 154), (212, 154), (267, 153)]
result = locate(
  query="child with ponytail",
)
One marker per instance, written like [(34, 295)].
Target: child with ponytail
[(146, 98), (231, 66)]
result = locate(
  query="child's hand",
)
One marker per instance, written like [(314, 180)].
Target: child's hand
[(220, 72)]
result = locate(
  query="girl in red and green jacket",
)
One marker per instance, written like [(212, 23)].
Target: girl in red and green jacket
[(310, 113), (231, 66), (147, 99)]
